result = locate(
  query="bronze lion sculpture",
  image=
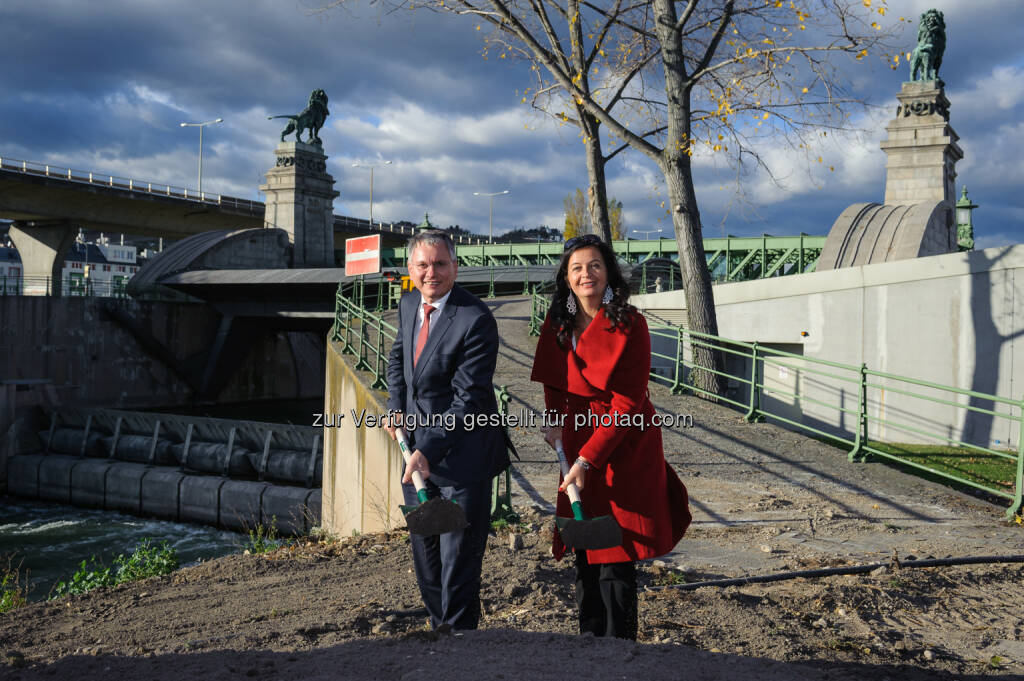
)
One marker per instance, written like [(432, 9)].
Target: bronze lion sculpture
[(311, 118), (931, 43)]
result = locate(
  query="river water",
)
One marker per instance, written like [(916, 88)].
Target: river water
[(49, 540)]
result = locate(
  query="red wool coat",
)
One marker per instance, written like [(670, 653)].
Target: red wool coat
[(607, 373)]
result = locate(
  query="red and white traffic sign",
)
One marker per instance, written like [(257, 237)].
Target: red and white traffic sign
[(362, 255)]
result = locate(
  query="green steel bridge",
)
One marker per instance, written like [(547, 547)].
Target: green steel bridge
[(729, 259)]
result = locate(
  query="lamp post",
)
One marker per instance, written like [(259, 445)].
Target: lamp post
[(201, 126), (490, 217), (965, 222), (645, 232), (371, 167)]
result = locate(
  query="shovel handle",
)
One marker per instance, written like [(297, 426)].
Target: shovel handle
[(570, 489), (417, 478)]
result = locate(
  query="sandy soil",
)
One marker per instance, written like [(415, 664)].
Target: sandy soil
[(765, 500)]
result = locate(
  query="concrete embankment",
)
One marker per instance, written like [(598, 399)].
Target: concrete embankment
[(230, 474)]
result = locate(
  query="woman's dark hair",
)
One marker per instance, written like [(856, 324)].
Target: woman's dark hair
[(618, 310)]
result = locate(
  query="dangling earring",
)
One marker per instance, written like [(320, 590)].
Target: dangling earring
[(607, 297), (570, 304)]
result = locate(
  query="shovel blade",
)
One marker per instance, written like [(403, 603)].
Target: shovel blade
[(601, 532), (436, 516)]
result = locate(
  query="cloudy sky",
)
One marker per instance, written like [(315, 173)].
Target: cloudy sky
[(104, 85)]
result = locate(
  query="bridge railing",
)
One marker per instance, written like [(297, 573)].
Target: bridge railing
[(71, 288), (130, 184), (820, 397)]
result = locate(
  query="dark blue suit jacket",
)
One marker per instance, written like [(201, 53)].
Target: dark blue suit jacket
[(452, 379)]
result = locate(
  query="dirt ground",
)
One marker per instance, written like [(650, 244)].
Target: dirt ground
[(351, 610), (765, 501)]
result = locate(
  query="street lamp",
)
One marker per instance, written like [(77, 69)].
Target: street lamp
[(201, 126), (965, 222), (490, 217), (646, 231), (371, 167)]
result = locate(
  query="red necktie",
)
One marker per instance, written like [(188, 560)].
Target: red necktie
[(421, 339)]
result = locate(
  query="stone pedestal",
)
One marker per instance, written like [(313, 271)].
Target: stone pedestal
[(300, 200), (922, 148)]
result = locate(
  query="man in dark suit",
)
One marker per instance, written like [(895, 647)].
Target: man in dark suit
[(440, 370)]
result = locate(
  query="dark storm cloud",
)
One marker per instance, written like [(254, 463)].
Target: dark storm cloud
[(104, 85)]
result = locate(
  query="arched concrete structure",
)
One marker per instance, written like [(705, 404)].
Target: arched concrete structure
[(867, 233), (225, 249)]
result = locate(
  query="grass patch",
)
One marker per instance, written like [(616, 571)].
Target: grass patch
[(982, 468), (145, 561)]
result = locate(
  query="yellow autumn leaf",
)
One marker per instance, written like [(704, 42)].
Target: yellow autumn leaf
[(478, 27), (874, 25), (765, 115), (862, 54), (867, 3), (832, 168), (804, 91)]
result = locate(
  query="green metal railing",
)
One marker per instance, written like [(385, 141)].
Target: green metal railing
[(858, 395), (368, 337), (729, 258)]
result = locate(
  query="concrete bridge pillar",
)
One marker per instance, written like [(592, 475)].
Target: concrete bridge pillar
[(42, 248), (300, 200)]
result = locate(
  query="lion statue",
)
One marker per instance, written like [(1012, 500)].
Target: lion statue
[(312, 119), (931, 43)]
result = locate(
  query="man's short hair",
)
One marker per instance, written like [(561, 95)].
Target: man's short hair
[(430, 237)]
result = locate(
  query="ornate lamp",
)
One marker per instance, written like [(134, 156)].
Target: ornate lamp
[(426, 224), (965, 222)]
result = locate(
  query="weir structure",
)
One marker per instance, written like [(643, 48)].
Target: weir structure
[(237, 475)]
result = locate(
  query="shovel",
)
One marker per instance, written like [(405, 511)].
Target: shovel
[(578, 532), (431, 516)]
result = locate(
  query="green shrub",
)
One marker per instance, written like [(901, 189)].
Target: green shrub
[(12, 591), (263, 539), (145, 561)]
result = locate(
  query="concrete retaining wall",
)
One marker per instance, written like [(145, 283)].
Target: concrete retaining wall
[(955, 320), (90, 359), (362, 466)]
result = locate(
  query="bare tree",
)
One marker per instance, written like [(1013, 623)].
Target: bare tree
[(577, 215), (671, 78)]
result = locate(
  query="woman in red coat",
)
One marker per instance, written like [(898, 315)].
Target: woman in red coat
[(594, 359)]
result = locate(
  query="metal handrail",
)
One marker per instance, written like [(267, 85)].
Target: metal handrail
[(870, 383), (68, 287)]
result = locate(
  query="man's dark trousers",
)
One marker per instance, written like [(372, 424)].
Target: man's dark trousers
[(448, 566)]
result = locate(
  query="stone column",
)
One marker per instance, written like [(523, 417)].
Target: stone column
[(922, 148), (300, 200), (42, 249)]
